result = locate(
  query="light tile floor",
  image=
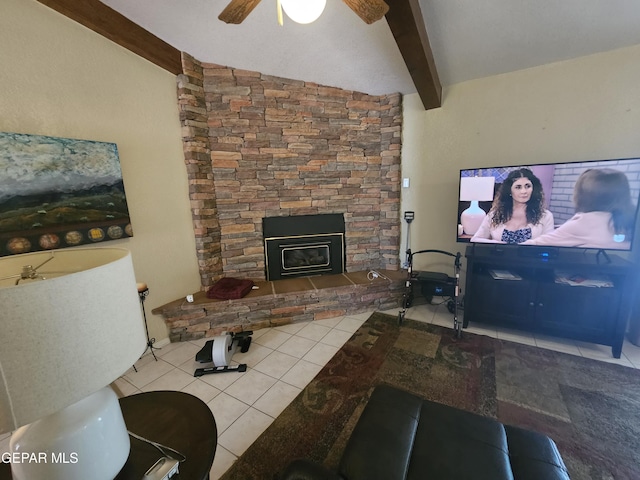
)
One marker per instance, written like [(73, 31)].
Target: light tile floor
[(282, 361)]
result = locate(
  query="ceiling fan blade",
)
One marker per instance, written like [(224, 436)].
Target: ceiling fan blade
[(368, 10), (237, 10)]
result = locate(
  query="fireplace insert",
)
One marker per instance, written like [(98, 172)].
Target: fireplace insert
[(303, 245)]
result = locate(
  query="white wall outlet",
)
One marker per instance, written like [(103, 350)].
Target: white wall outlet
[(405, 183)]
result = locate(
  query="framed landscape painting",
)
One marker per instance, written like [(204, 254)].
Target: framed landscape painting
[(59, 192)]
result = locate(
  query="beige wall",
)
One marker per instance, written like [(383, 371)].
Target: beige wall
[(583, 109), (60, 79)]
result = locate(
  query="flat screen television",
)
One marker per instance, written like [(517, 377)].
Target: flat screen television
[(585, 205)]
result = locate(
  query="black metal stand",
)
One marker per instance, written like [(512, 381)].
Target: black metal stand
[(442, 284), (142, 293), (408, 217)]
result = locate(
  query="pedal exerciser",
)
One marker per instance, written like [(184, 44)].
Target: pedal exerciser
[(219, 351)]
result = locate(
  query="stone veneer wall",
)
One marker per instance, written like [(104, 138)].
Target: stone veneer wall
[(258, 146)]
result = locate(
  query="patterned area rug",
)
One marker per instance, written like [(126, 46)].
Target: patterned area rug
[(590, 408)]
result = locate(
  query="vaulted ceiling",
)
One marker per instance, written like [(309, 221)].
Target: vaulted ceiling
[(419, 46)]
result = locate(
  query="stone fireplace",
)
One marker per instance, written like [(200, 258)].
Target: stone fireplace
[(258, 146), (303, 245)]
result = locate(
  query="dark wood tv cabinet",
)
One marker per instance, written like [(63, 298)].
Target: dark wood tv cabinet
[(537, 303)]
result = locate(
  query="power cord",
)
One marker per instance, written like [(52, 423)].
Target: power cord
[(372, 275), (164, 450)]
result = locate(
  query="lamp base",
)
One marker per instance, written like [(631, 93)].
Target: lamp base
[(472, 218), (88, 439)]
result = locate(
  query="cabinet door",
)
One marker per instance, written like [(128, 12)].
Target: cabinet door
[(502, 301), (583, 313)]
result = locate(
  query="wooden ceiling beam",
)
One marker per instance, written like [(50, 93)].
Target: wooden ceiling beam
[(404, 18), (407, 26), (104, 20)]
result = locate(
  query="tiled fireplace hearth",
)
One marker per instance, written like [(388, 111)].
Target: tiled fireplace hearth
[(258, 146), (282, 302)]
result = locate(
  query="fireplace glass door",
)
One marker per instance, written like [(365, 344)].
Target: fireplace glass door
[(308, 257)]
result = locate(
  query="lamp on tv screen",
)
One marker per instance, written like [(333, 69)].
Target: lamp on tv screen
[(589, 204), (474, 190)]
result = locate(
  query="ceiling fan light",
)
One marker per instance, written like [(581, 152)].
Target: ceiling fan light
[(303, 11)]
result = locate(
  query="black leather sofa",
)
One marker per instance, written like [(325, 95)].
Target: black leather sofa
[(401, 436)]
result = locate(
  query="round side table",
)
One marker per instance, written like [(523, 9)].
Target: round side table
[(174, 419)]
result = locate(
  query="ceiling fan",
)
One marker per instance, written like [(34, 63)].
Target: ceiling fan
[(368, 10)]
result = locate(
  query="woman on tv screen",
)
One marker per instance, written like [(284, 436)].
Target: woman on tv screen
[(604, 213), (518, 213)]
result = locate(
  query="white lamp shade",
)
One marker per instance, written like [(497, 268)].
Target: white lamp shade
[(476, 188), (303, 11), (66, 337)]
